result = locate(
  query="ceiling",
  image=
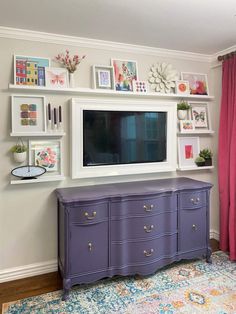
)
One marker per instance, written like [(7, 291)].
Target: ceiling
[(202, 26)]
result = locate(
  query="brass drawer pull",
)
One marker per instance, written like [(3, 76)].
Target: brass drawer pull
[(90, 246), (148, 208), (86, 214), (148, 228), (147, 254), (195, 201), (194, 227)]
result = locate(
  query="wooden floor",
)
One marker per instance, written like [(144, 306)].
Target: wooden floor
[(23, 288)]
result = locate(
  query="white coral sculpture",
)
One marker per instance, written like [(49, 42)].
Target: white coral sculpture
[(162, 77)]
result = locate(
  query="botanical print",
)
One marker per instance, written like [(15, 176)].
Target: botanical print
[(182, 87), (125, 73), (28, 114), (186, 126), (47, 157), (200, 116), (197, 83), (104, 79), (188, 151)]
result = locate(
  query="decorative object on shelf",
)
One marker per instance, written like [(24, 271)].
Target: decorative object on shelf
[(28, 114), (30, 70), (103, 77), (182, 88), (140, 87), (46, 154), (200, 161), (56, 77), (125, 71), (182, 110), (200, 115), (197, 83), (188, 150), (28, 172), (162, 77), (207, 154), (54, 118), (70, 63), (19, 151), (186, 126)]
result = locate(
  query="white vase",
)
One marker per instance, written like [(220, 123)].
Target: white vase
[(71, 80), (19, 157), (182, 114)]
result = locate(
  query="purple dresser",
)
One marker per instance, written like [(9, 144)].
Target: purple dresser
[(130, 228)]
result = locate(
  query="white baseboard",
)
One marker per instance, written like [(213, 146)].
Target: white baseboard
[(30, 270), (214, 234)]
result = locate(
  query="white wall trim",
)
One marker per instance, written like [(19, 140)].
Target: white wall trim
[(23, 34), (30, 270), (214, 234)]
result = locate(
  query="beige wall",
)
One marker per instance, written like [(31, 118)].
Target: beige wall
[(28, 217)]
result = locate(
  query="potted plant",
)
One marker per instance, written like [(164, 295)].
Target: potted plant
[(182, 109), (19, 152), (200, 161), (207, 155)]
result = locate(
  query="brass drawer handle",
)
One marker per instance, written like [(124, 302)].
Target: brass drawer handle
[(195, 201), (194, 227), (147, 254), (86, 214), (148, 228), (90, 246), (148, 208)]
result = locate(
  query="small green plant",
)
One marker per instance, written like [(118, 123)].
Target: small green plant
[(200, 161), (183, 105), (206, 153), (18, 148)]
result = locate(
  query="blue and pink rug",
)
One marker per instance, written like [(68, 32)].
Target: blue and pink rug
[(186, 287)]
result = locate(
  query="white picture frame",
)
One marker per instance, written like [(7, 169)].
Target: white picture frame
[(200, 115), (28, 115), (103, 77), (188, 150), (186, 126), (198, 83), (56, 77), (182, 87)]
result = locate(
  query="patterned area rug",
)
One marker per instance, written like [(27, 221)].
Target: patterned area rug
[(186, 287)]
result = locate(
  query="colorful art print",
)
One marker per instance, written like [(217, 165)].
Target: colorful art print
[(197, 83), (47, 156), (104, 78), (56, 77), (182, 87), (140, 86), (30, 70), (125, 72), (186, 126), (28, 114), (188, 150), (200, 115)]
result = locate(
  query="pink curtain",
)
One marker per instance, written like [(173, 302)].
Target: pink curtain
[(227, 159)]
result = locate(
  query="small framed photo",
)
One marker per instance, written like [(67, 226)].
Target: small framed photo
[(46, 154), (30, 70), (28, 114), (186, 126), (188, 150), (198, 84), (140, 86), (182, 87), (57, 77), (125, 72), (200, 115), (103, 77)]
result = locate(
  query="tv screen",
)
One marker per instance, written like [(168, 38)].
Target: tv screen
[(123, 137)]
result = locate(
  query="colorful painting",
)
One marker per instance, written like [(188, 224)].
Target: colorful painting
[(140, 86), (199, 115), (56, 77), (104, 78), (186, 126), (47, 157), (197, 83), (188, 150), (125, 72), (182, 87), (28, 114)]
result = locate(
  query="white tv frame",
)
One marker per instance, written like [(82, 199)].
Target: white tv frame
[(84, 103)]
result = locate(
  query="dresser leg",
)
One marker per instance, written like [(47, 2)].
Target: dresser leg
[(208, 256), (66, 289)]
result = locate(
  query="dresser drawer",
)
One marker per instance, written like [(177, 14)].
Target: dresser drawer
[(88, 213), (131, 253), (193, 199), (144, 206), (143, 227)]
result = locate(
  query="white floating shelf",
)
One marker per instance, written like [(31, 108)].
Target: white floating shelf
[(48, 134), (194, 168), (105, 92), (196, 132), (38, 180)]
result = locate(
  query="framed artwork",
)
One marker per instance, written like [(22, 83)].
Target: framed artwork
[(182, 87), (46, 154), (200, 115), (198, 84), (28, 114), (30, 70), (125, 72), (56, 77), (188, 150), (140, 86), (103, 77), (186, 126)]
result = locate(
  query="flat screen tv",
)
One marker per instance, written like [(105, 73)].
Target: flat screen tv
[(121, 136)]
